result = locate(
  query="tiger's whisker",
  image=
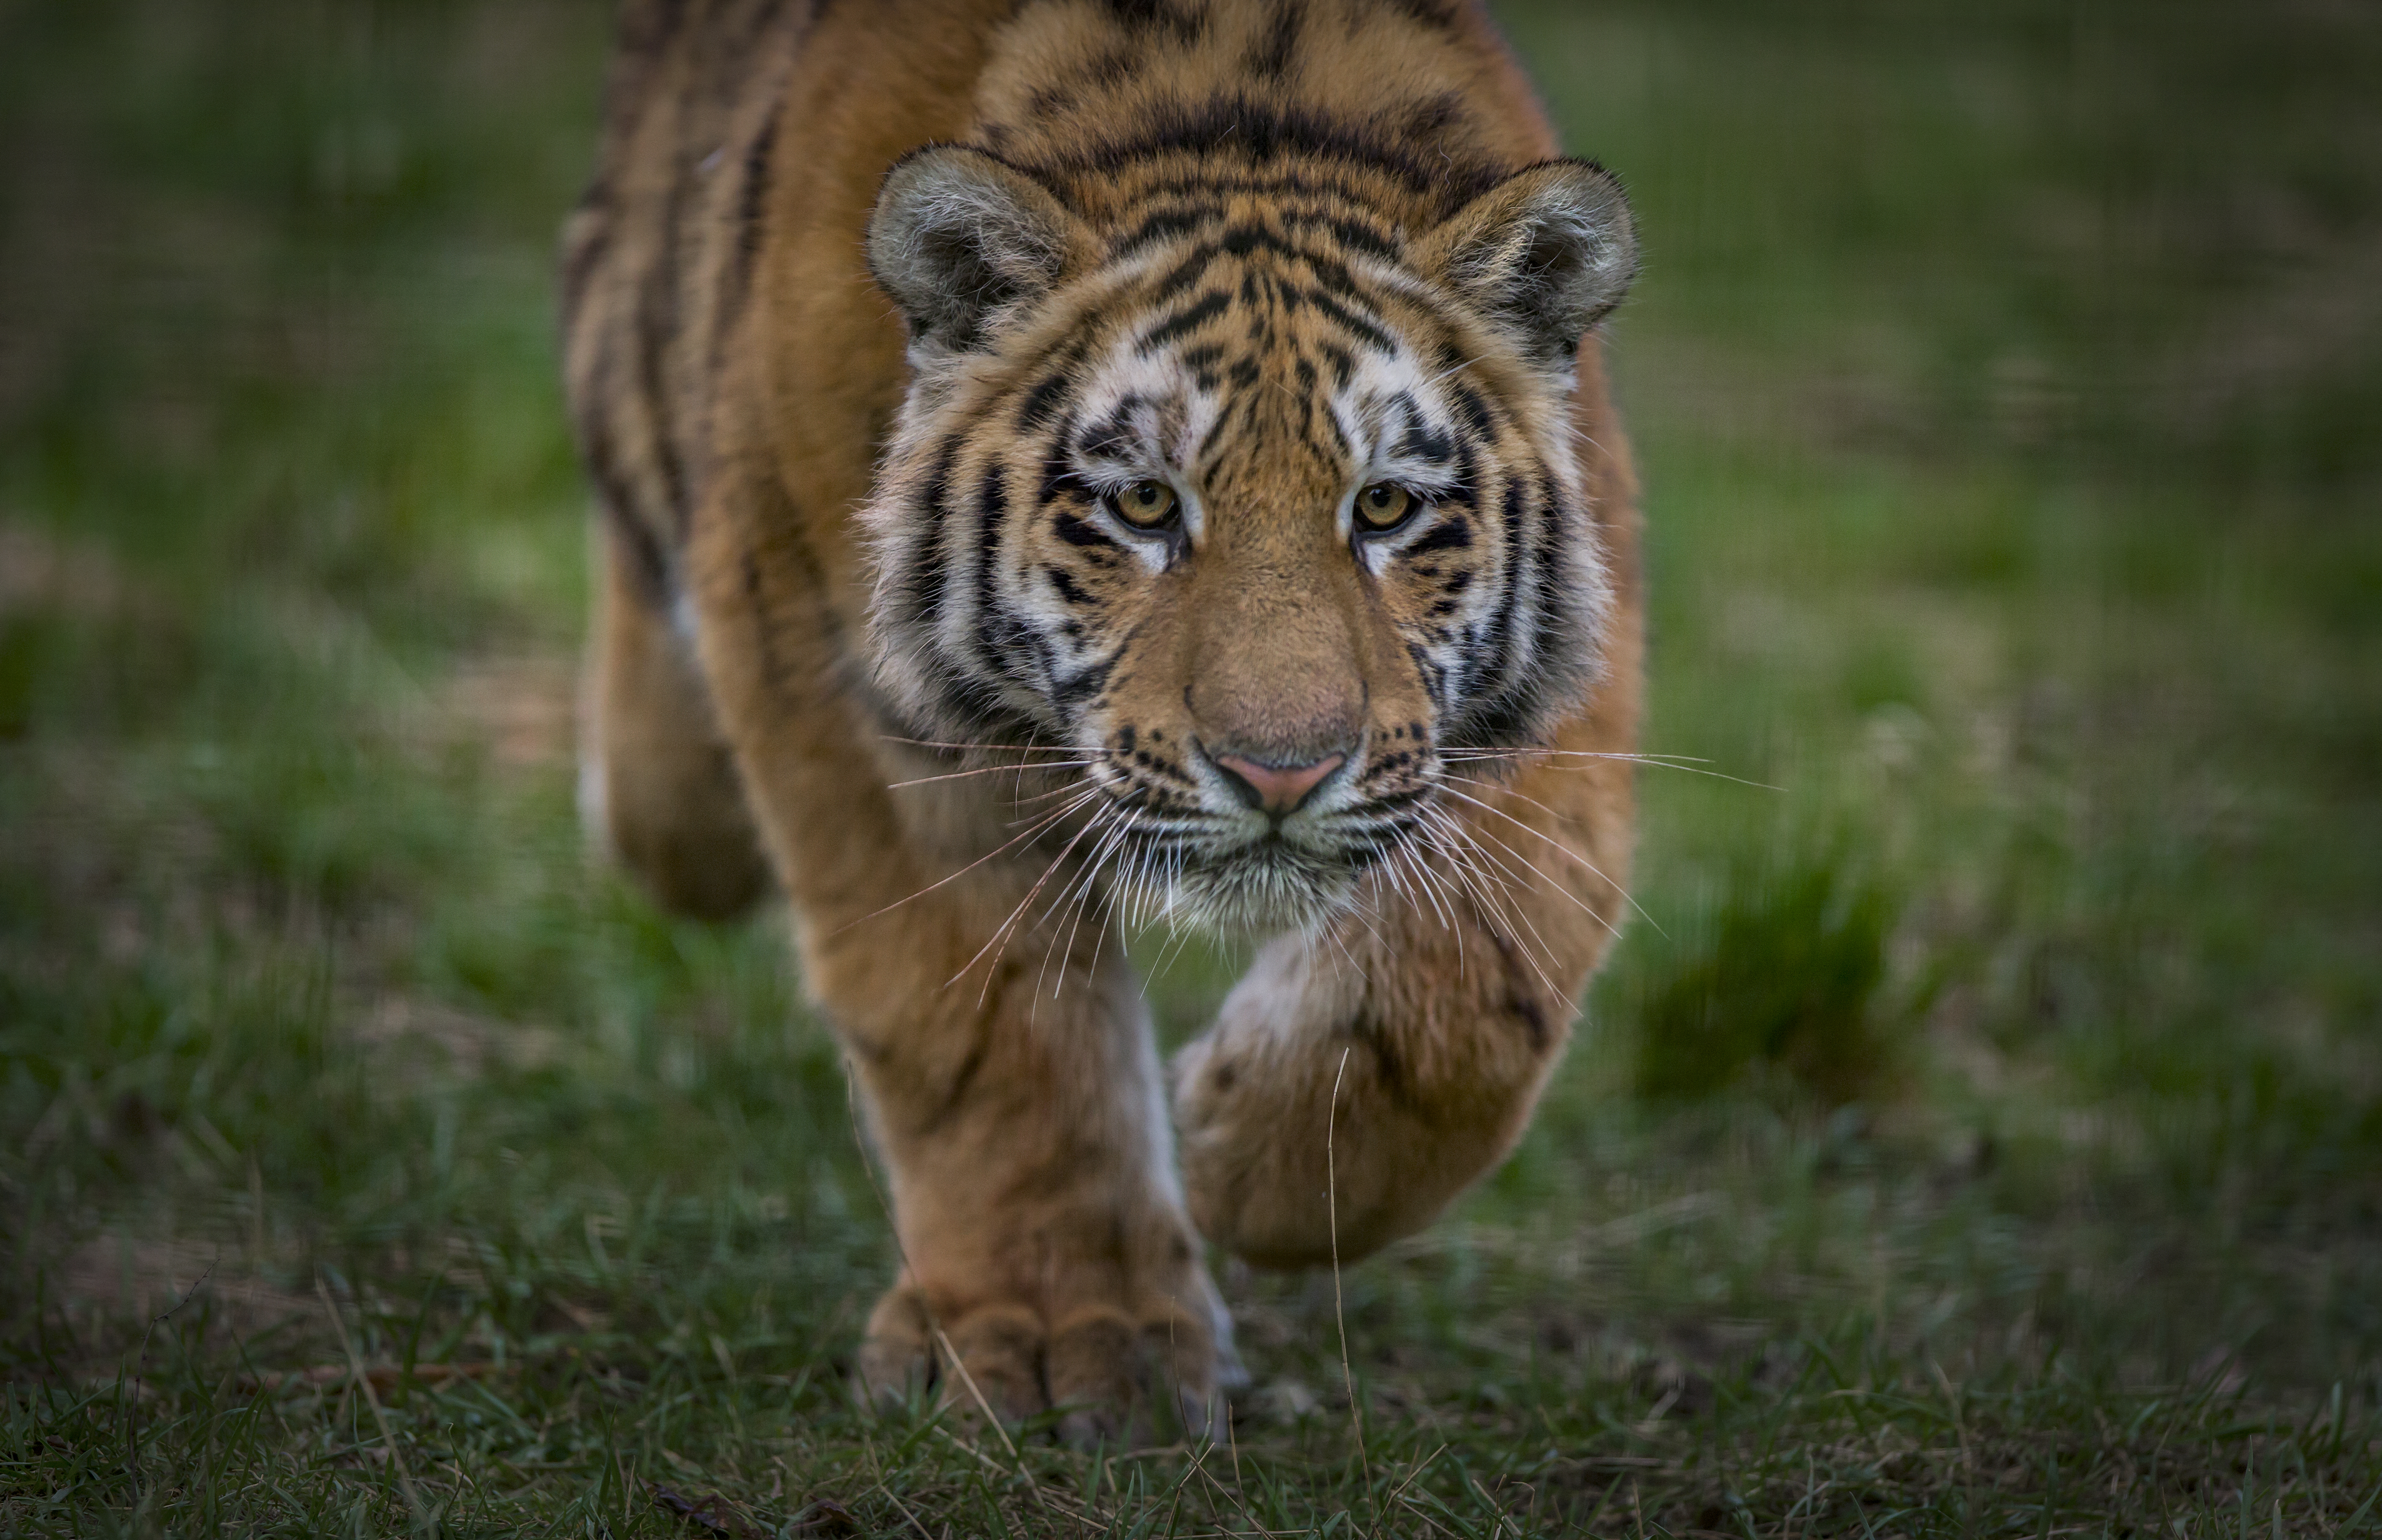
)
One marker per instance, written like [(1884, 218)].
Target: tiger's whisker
[(1497, 894), (991, 770), (1045, 823), (1458, 755), (1082, 796), (1482, 832), (1655, 760), (1039, 883), (1082, 893), (1559, 846), (984, 748), (1545, 877)]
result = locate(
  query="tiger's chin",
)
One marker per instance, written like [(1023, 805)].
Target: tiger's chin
[(1255, 892)]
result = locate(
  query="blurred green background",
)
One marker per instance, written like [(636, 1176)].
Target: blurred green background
[(1983, 1132)]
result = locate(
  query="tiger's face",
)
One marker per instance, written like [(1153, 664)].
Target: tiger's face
[(1260, 507)]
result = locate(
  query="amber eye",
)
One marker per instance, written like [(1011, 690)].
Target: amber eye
[(1144, 505), (1384, 505)]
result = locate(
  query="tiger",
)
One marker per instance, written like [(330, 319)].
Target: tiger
[(1067, 471)]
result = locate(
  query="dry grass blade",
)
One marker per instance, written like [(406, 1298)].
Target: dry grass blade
[(903, 1508), (1339, 1305), (422, 1517)]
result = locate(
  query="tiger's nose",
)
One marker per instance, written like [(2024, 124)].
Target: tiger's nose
[(1277, 789)]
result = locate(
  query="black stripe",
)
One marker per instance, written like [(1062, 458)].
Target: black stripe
[(1047, 399), (1215, 433), (1080, 686), (1491, 643), (1438, 15), (1466, 492), (1363, 238), (1429, 118), (1509, 601), (1423, 442), (1506, 719), (648, 563), (1250, 129), (1434, 678), (590, 230), (752, 201), (922, 587), (1184, 274), (1070, 592), (1270, 60), (1339, 447), (1202, 362), (992, 620), (1474, 409), (1210, 186), (649, 568), (1075, 529), (1160, 15), (1549, 596), (1187, 320), (656, 328), (1242, 239), (1059, 360), (1161, 226), (1058, 472), (1113, 435), (1353, 324)]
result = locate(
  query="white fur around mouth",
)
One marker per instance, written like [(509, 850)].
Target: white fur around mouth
[(1260, 888)]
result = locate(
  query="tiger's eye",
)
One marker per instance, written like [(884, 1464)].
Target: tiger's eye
[(1145, 504), (1384, 505)]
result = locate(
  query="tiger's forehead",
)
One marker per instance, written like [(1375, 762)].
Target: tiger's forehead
[(1257, 351)]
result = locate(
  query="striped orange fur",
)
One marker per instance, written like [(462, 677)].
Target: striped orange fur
[(1066, 465)]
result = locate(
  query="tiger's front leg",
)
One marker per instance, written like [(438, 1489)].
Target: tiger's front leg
[(1000, 1052), (1356, 1079), (1046, 1260)]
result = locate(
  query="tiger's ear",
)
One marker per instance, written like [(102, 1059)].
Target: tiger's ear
[(959, 238), (1546, 254)]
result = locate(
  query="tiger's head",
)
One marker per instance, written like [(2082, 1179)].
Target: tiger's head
[(1259, 500)]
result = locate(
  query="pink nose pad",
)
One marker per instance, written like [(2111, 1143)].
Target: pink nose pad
[(1278, 788)]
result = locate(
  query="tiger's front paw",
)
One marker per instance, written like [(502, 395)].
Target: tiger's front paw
[(1271, 1167), (1118, 1363), (1317, 1124)]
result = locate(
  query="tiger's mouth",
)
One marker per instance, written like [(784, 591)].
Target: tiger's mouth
[(1183, 835), (1266, 881), (1263, 887)]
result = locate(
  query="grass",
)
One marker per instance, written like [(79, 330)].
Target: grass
[(1983, 1134)]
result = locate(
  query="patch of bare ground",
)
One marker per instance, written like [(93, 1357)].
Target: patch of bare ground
[(2320, 315), (41, 571), (134, 1278), (520, 706), (421, 1038), (98, 1300)]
